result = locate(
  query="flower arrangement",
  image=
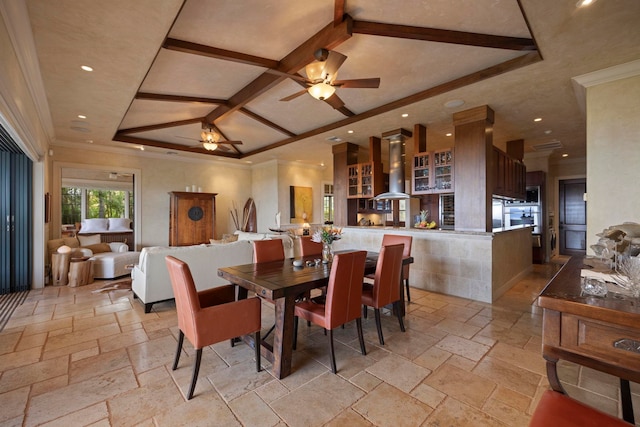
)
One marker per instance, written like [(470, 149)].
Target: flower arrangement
[(326, 235)]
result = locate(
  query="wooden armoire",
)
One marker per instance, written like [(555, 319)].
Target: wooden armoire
[(192, 218)]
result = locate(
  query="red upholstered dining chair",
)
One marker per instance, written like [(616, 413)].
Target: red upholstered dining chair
[(394, 239), (268, 250), (308, 247), (343, 300), (557, 409), (210, 316), (385, 289)]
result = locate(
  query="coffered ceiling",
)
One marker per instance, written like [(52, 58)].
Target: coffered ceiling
[(162, 68)]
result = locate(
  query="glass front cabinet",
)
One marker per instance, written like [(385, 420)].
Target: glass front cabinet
[(432, 172), (363, 180)]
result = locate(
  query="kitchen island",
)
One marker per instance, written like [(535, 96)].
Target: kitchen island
[(476, 265)]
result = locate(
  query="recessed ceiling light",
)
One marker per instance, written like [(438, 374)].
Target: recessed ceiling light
[(537, 119), (82, 116), (80, 129), (548, 131), (322, 164), (248, 161), (565, 155), (90, 141), (454, 103), (449, 134), (405, 115), (141, 148), (349, 131), (86, 68)]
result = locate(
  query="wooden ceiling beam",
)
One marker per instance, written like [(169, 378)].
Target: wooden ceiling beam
[(214, 52), (169, 146), (266, 122), (338, 11), (443, 36), (178, 98), (160, 126), (329, 37), (501, 68)]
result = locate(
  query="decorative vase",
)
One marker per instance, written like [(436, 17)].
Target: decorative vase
[(327, 253)]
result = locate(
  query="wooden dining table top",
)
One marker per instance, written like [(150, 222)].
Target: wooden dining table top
[(278, 279)]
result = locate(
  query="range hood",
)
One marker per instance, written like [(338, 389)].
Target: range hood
[(396, 170)]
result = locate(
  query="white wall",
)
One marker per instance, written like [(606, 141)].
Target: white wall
[(613, 155)]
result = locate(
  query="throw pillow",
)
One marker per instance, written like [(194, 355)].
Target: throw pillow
[(119, 224), (89, 240), (94, 225), (99, 248)]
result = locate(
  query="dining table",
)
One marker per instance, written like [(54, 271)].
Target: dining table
[(283, 283)]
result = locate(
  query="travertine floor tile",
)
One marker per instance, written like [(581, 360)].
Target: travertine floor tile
[(399, 372), (463, 347), (461, 385), (25, 375), (455, 413), (317, 402), (86, 416), (253, 411), (508, 375), (388, 406)]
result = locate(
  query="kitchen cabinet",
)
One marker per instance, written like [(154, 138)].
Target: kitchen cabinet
[(365, 180), (366, 206), (432, 172), (510, 179)]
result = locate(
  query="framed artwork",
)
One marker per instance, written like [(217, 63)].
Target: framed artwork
[(301, 204)]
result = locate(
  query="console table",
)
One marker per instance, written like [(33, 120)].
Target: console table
[(602, 333)]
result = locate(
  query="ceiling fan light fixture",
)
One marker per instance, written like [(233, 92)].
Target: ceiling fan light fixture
[(321, 91), (210, 146), (209, 136)]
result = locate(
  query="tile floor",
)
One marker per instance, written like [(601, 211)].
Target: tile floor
[(72, 356)]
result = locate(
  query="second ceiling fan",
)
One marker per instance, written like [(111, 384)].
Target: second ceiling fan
[(321, 79)]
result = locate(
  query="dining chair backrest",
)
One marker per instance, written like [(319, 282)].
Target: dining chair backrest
[(344, 290), (308, 247), (268, 250), (386, 284), (394, 239), (186, 296)]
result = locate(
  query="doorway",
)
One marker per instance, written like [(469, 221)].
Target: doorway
[(572, 238)]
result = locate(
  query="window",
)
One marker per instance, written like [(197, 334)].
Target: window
[(327, 204), (79, 203)]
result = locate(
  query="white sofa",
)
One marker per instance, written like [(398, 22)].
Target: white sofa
[(109, 259), (151, 281)]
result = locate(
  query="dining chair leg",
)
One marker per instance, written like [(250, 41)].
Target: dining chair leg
[(295, 332), (196, 369), (365, 311), (376, 311), (406, 284), (179, 350), (256, 341), (397, 308), (363, 350), (333, 355)]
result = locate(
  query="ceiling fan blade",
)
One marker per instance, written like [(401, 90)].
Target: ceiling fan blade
[(333, 62), (372, 83), (295, 95), (230, 142), (335, 101), (223, 148)]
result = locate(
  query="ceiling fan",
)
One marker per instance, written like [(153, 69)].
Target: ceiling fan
[(321, 79), (210, 140)]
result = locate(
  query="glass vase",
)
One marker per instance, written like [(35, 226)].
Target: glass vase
[(327, 253)]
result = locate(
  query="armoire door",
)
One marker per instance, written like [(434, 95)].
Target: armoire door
[(16, 235)]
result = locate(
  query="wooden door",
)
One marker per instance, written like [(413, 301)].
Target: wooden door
[(572, 238)]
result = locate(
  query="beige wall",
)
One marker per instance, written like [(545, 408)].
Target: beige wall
[(158, 175), (613, 155)]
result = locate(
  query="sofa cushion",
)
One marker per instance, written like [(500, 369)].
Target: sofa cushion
[(85, 241), (98, 248), (94, 225), (119, 224)]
